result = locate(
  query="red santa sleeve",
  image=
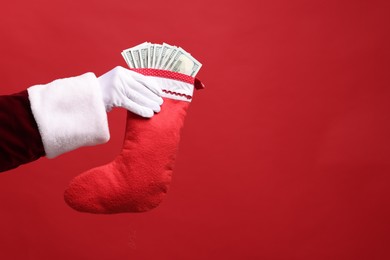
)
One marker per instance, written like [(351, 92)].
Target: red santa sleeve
[(20, 141), (52, 119)]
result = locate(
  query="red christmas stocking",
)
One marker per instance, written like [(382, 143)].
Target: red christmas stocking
[(138, 178)]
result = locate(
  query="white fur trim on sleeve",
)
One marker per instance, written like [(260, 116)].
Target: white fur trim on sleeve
[(70, 113)]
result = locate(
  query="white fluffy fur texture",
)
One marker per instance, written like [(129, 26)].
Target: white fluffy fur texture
[(175, 86), (69, 113)]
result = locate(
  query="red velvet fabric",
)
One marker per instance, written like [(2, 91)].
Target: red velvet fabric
[(138, 179), (20, 141)]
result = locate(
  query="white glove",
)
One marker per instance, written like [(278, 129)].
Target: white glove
[(131, 90)]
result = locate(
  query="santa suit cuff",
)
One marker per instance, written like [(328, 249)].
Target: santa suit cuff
[(70, 113)]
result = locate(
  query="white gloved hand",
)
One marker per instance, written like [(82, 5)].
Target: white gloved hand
[(131, 90)]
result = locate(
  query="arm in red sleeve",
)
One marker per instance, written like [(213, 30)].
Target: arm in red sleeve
[(51, 119), (20, 141)]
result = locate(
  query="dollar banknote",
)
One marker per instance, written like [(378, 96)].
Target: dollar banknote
[(128, 58), (137, 58), (157, 54), (161, 56), (151, 55), (164, 52), (184, 63), (171, 50), (141, 53)]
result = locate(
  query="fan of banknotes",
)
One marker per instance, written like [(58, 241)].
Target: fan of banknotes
[(161, 56)]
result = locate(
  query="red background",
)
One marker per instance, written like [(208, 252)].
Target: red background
[(285, 155)]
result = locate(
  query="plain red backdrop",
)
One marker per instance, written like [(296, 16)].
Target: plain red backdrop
[(285, 155)]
